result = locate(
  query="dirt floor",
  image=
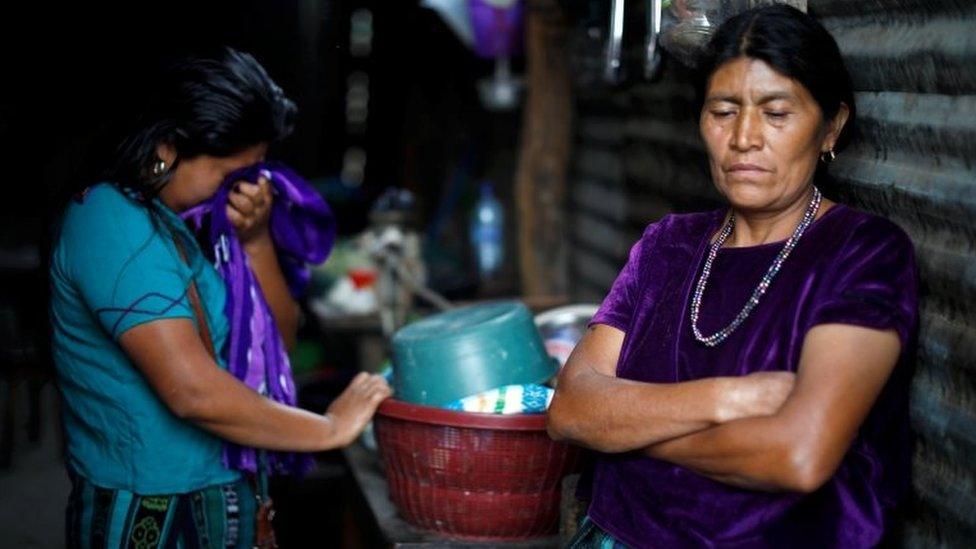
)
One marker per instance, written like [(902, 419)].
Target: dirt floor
[(34, 490)]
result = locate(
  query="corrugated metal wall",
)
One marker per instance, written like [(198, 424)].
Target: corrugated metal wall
[(638, 156)]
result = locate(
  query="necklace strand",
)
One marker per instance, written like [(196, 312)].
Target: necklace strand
[(760, 290)]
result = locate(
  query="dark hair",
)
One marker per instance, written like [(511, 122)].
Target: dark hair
[(794, 45), (215, 105)]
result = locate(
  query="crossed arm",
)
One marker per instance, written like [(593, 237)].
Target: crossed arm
[(765, 431)]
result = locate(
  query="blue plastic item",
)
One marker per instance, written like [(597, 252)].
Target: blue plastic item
[(467, 351), (510, 399), (487, 232)]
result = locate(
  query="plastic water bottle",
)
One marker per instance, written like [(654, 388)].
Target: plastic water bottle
[(487, 237)]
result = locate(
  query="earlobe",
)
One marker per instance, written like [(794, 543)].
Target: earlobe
[(840, 120), (835, 127), (166, 153)]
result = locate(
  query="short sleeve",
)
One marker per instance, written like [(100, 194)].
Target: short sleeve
[(121, 265), (619, 305), (874, 282)]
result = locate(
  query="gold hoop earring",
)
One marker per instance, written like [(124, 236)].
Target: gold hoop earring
[(828, 156), (159, 168)]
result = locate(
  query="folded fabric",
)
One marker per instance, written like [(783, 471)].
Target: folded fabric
[(303, 230), (510, 399)]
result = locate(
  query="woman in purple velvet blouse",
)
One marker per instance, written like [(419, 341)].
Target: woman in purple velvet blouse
[(746, 380)]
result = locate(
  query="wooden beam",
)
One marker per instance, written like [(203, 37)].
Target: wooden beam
[(546, 141)]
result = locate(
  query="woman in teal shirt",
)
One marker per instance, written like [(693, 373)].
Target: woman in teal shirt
[(147, 410)]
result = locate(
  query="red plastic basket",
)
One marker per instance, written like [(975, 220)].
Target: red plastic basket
[(475, 476)]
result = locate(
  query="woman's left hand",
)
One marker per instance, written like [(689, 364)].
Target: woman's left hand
[(249, 208)]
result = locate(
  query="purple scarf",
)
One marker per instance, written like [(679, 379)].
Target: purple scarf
[(303, 231)]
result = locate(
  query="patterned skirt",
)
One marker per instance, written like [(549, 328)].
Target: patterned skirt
[(218, 516), (591, 536)]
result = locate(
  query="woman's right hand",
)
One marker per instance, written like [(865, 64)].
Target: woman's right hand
[(353, 409), (756, 394)]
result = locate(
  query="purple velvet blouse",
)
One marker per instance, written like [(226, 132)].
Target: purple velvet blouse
[(850, 268)]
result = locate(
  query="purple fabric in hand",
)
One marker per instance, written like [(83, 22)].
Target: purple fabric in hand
[(849, 268), (303, 230)]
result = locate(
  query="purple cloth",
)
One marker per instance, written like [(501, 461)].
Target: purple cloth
[(497, 31), (303, 230), (849, 268)]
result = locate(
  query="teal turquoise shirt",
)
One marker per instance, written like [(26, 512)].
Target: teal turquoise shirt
[(114, 267)]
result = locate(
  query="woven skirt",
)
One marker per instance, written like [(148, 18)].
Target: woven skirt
[(217, 516)]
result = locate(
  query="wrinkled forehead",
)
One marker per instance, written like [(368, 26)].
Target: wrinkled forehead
[(746, 79)]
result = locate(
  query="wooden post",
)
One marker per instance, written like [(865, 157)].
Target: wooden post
[(546, 141)]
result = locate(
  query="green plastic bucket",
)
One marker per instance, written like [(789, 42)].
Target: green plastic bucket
[(466, 351)]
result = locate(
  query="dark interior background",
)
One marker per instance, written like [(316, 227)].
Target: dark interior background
[(71, 69)]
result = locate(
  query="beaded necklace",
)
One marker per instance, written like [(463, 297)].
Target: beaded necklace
[(767, 278)]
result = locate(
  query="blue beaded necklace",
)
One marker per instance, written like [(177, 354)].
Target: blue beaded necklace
[(767, 279)]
